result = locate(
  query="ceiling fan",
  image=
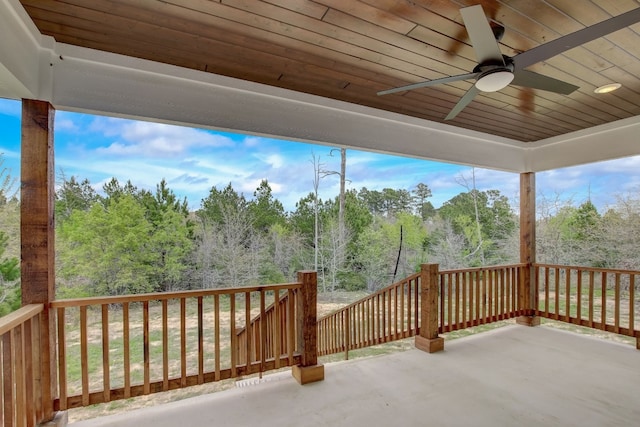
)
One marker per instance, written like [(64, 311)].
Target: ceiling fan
[(496, 71)]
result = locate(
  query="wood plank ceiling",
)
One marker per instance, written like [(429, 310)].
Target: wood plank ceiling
[(349, 50)]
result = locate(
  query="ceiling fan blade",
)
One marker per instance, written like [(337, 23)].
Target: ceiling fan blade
[(429, 83), (481, 35), (464, 101), (580, 37), (538, 81)]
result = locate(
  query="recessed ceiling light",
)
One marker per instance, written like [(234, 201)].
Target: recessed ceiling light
[(608, 88)]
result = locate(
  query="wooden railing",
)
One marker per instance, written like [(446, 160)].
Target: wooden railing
[(466, 298), (119, 347), (597, 298), (277, 319), (21, 397), (387, 315), (478, 296)]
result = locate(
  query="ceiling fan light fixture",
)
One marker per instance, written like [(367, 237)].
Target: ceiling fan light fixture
[(608, 88), (494, 81)]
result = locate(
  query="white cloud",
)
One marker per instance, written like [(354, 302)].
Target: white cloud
[(154, 140), (64, 124), (272, 160)]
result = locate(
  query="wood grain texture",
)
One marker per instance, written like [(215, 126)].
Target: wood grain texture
[(37, 197), (349, 50), (307, 318)]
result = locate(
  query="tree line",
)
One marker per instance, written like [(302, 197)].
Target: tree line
[(130, 240)]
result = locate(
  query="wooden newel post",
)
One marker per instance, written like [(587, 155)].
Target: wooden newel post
[(429, 340), (307, 329)]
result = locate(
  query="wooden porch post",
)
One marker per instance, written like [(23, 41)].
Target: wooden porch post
[(37, 196), (527, 294), (308, 371), (429, 340)]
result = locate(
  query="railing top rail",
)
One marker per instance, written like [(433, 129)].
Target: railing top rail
[(19, 316), (77, 302), (488, 268), (594, 269)]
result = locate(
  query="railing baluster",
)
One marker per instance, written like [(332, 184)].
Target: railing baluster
[(263, 332), (579, 296), (200, 341), (62, 359), (247, 325), (508, 286), (373, 313), (632, 303), (165, 344), (145, 347), (395, 313), (183, 342), (234, 336), (347, 329), (603, 303), (277, 349), (8, 377), (410, 313), (567, 296), (106, 366), (591, 294), (470, 299), (442, 295), (450, 302), (84, 355), (479, 297), (20, 396), (126, 350), (28, 351), (556, 280), (403, 329), (491, 303), (293, 296), (39, 366), (497, 278), (547, 284), (381, 314), (484, 298), (456, 306), (465, 300), (616, 312)]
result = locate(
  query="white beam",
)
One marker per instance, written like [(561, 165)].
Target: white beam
[(605, 142)]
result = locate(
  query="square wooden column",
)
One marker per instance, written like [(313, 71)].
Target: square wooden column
[(527, 292), (37, 252)]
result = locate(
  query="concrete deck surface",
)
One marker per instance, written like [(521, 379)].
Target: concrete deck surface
[(513, 376)]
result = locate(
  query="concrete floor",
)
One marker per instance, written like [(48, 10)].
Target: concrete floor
[(513, 376)]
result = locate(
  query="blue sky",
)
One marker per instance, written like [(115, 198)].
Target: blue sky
[(194, 160)]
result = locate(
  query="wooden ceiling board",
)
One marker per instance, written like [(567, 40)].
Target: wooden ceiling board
[(350, 50)]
